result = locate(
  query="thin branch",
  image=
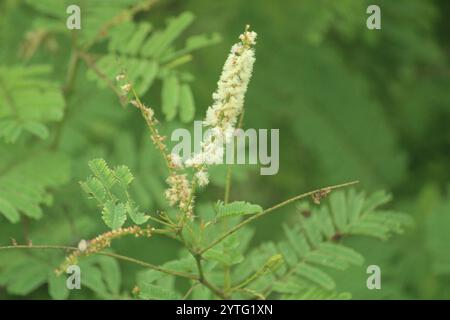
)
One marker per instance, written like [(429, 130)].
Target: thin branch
[(201, 274), (257, 295), (104, 253), (161, 221), (50, 247), (157, 139), (320, 191), (149, 265), (188, 293), (72, 66), (205, 282), (226, 197), (91, 64)]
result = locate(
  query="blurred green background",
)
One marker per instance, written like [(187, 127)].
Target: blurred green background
[(351, 104)]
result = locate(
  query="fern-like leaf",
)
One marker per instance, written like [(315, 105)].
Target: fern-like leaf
[(153, 292), (114, 215), (109, 187), (237, 208), (149, 55), (312, 244), (28, 101), (25, 181)]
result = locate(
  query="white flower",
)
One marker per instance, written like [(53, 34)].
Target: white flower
[(82, 245), (228, 102), (202, 178), (179, 191), (229, 96), (176, 161), (126, 88)]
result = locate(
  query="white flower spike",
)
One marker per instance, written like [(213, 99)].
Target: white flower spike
[(222, 115)]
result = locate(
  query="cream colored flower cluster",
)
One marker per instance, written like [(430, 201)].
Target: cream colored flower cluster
[(179, 192), (229, 97), (222, 116)]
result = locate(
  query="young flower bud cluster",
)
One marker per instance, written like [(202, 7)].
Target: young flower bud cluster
[(180, 193), (86, 248)]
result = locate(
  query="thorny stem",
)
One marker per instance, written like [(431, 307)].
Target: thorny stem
[(277, 206)]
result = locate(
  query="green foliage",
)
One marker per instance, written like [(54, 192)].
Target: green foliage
[(23, 278), (148, 55), (109, 187), (170, 96), (154, 285), (294, 268), (23, 273), (300, 291), (28, 101), (438, 238), (350, 103), (152, 292), (312, 244), (102, 275), (187, 105), (96, 14), (237, 208), (25, 181), (114, 215)]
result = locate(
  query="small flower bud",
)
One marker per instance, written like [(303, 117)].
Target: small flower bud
[(82, 245), (135, 103), (126, 88)]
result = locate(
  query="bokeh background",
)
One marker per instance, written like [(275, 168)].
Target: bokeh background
[(350, 103)]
